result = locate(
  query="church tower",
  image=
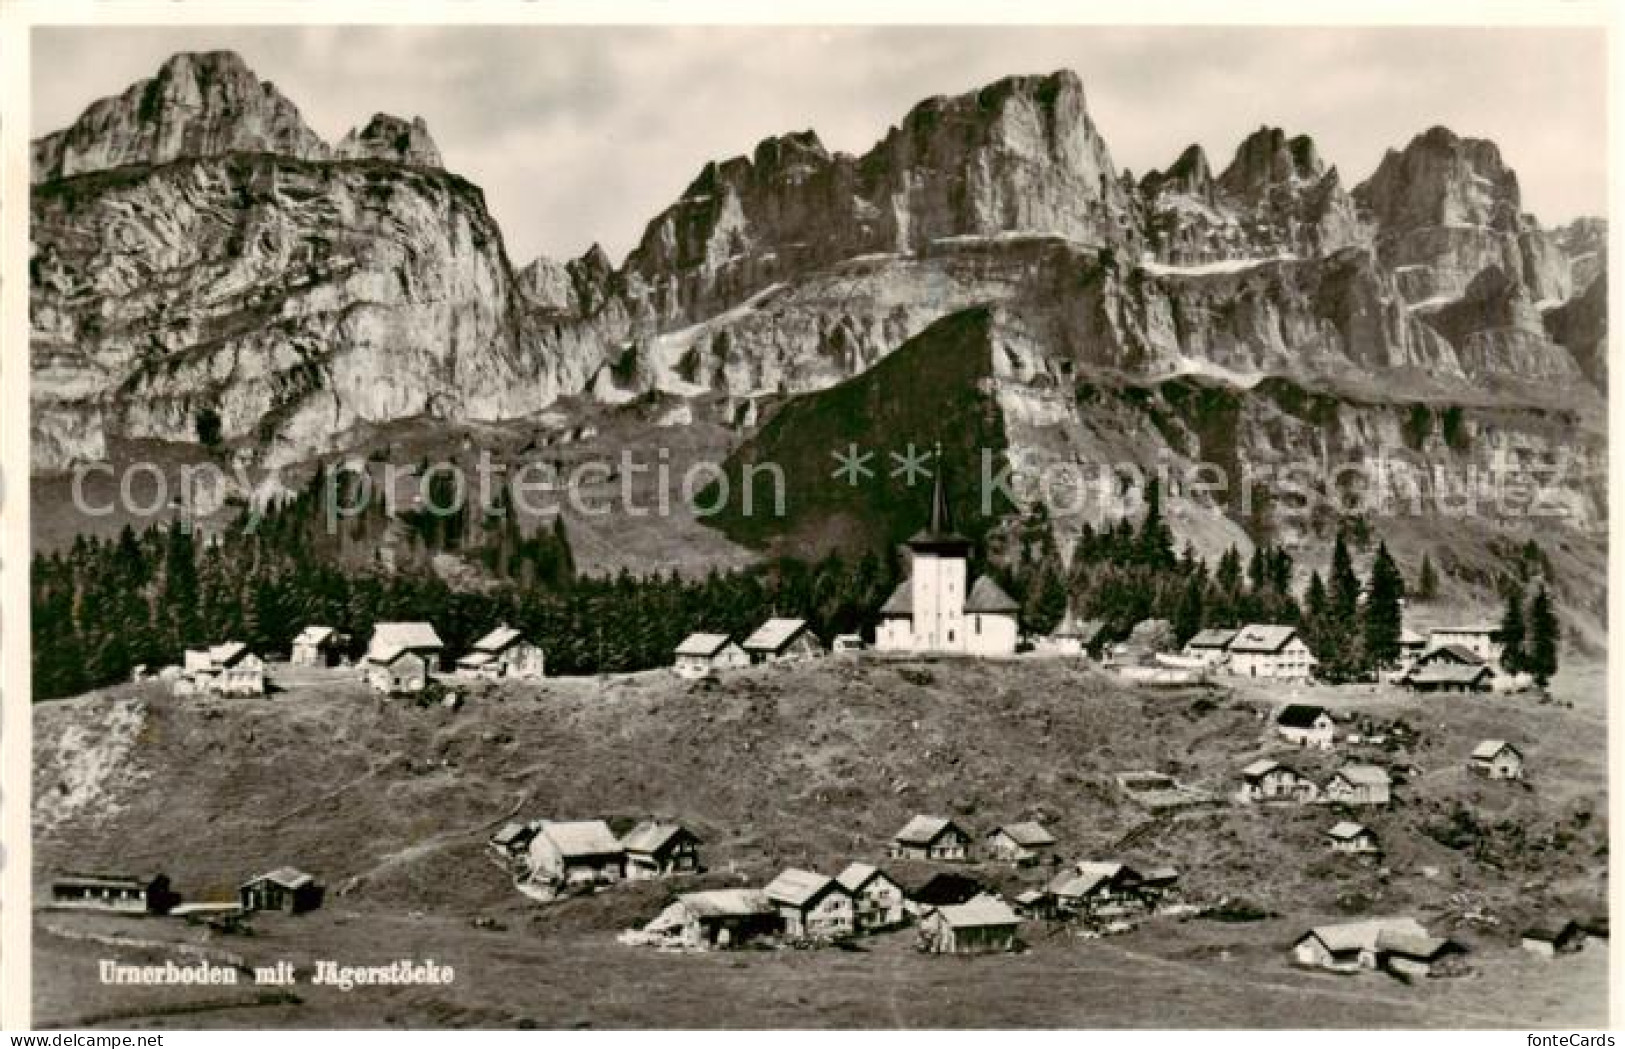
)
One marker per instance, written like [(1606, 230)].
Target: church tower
[(938, 576)]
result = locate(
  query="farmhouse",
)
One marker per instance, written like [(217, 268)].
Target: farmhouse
[(1269, 780), (1483, 640), (1158, 884), (1553, 939), (655, 849), (225, 670), (812, 906), (131, 893), (512, 843), (1211, 646), (284, 889), (782, 640), (931, 838), (317, 646), (702, 654), (1351, 837), (983, 925), (1306, 725), (1496, 759), (1359, 785), (503, 653), (717, 918), (933, 610), (1270, 651), (1093, 887), (576, 852), (1352, 945), (1023, 843), (401, 656), (878, 901), (1449, 677), (1035, 903)]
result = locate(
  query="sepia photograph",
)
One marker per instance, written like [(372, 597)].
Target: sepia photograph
[(802, 526)]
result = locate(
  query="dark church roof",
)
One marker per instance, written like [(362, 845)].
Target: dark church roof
[(939, 536)]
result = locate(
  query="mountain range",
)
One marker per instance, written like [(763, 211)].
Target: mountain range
[(198, 251)]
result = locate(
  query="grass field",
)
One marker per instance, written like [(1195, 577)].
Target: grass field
[(390, 805)]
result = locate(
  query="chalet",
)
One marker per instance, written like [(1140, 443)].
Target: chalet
[(1359, 785), (1262, 650), (401, 656), (1092, 887), (1449, 677), (223, 670), (1496, 759), (702, 654), (317, 646), (1553, 939), (983, 925), (1406, 953), (129, 893), (1306, 725), (655, 849), (576, 852), (1023, 843), (503, 653), (1352, 945), (511, 844), (284, 889), (1269, 780), (1351, 837), (1211, 646), (719, 918), (1071, 636), (812, 906), (1483, 640), (782, 640), (939, 890), (931, 838), (878, 901), (1158, 884)]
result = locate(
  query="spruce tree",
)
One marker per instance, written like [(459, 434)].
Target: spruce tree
[(1383, 610), (1541, 660), (1513, 639), (1427, 580)]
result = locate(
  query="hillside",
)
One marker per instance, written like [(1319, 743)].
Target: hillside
[(810, 765)]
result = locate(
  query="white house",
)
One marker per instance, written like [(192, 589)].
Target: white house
[(574, 852), (1306, 725), (503, 653), (316, 646), (701, 654), (1270, 651), (1025, 842), (224, 670), (931, 838), (1496, 759), (933, 610), (782, 640), (878, 901), (1268, 780), (813, 906), (1351, 837), (1352, 945), (401, 656)]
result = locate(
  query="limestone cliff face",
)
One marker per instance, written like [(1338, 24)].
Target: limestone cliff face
[(293, 299), (392, 139), (198, 104)]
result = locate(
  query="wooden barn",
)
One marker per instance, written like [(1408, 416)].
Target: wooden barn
[(719, 918), (878, 901), (812, 906), (1359, 785), (401, 656), (1449, 677), (317, 646), (702, 654), (1024, 843), (782, 640), (129, 893), (1496, 759), (284, 889), (931, 838), (655, 849), (576, 852), (1269, 780), (984, 925), (1351, 946), (1092, 887), (1351, 837)]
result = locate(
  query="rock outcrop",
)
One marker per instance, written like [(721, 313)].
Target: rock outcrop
[(197, 105), (391, 139)]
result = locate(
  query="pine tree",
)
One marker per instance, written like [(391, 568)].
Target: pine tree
[(1513, 637), (1383, 610), (1541, 660), (1187, 618), (1427, 580), (1155, 544), (1345, 586)]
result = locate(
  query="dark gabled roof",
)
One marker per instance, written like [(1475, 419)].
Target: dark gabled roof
[(986, 597), (651, 836), (1029, 834), (1449, 674), (1267, 638), (1299, 715), (945, 887), (925, 830), (1452, 653)]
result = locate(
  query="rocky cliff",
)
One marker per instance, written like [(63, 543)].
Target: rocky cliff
[(390, 138)]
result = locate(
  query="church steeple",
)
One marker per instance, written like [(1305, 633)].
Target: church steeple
[(939, 536)]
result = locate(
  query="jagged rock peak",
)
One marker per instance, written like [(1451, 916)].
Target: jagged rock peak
[(1442, 179), (1266, 158), (390, 138), (1189, 174), (197, 104)]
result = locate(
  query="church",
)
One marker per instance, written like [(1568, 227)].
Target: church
[(933, 611)]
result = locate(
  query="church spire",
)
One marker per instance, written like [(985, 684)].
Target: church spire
[(939, 536), (940, 521)]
